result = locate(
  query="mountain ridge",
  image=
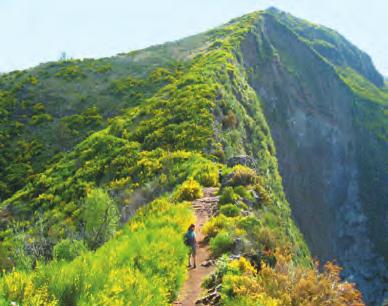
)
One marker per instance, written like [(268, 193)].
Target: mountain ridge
[(213, 103)]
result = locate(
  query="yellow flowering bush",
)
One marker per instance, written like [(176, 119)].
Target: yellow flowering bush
[(189, 190), (242, 175), (144, 264), (286, 284), (207, 175)]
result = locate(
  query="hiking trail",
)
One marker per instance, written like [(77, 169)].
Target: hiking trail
[(204, 208)]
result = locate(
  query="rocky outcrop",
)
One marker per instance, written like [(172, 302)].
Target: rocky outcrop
[(244, 160)]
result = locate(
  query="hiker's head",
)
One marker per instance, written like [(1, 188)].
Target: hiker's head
[(191, 227)]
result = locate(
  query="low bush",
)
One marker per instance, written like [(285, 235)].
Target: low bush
[(265, 237), (100, 216), (71, 72), (216, 224), (228, 196), (68, 249), (230, 210), (41, 118), (264, 196), (242, 175), (243, 192), (207, 175), (249, 222), (221, 243), (189, 191)]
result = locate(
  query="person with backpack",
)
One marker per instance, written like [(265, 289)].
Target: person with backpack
[(190, 241)]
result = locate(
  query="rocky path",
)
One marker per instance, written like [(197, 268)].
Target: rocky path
[(204, 210)]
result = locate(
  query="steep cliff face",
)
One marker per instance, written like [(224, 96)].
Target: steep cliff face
[(322, 143)]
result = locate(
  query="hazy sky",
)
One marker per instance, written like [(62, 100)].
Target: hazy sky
[(36, 31)]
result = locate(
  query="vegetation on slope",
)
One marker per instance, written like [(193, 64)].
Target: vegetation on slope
[(171, 129), (371, 117), (284, 284), (267, 269), (47, 110), (330, 45), (144, 264)]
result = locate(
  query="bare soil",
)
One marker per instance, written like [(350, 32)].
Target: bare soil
[(204, 208)]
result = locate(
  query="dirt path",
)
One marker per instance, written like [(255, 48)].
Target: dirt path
[(204, 209)]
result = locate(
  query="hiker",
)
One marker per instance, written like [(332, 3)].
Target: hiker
[(190, 241)]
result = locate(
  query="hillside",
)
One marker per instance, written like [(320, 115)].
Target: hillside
[(98, 159)]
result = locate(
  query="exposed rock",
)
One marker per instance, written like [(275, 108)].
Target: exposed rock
[(208, 263), (226, 180), (245, 160), (385, 299), (248, 202), (238, 246), (210, 299), (235, 256), (255, 195), (218, 287), (245, 213)]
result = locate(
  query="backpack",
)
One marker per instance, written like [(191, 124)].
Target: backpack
[(188, 238)]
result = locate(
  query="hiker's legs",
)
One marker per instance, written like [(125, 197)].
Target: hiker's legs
[(194, 255)]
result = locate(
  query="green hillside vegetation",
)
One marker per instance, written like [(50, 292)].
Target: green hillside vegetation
[(143, 264), (84, 142), (46, 111)]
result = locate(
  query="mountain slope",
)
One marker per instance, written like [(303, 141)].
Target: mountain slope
[(330, 126), (144, 125)]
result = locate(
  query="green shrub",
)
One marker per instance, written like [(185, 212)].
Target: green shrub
[(13, 254), (68, 249), (41, 118), (264, 195), (248, 223), (242, 175), (38, 108), (208, 175), (265, 237), (189, 191), (100, 216), (243, 192), (242, 205), (215, 225), (161, 75), (221, 243), (71, 72), (6, 263), (230, 210), (103, 68), (126, 85), (228, 196)]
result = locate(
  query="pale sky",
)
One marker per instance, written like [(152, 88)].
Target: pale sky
[(36, 31)]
